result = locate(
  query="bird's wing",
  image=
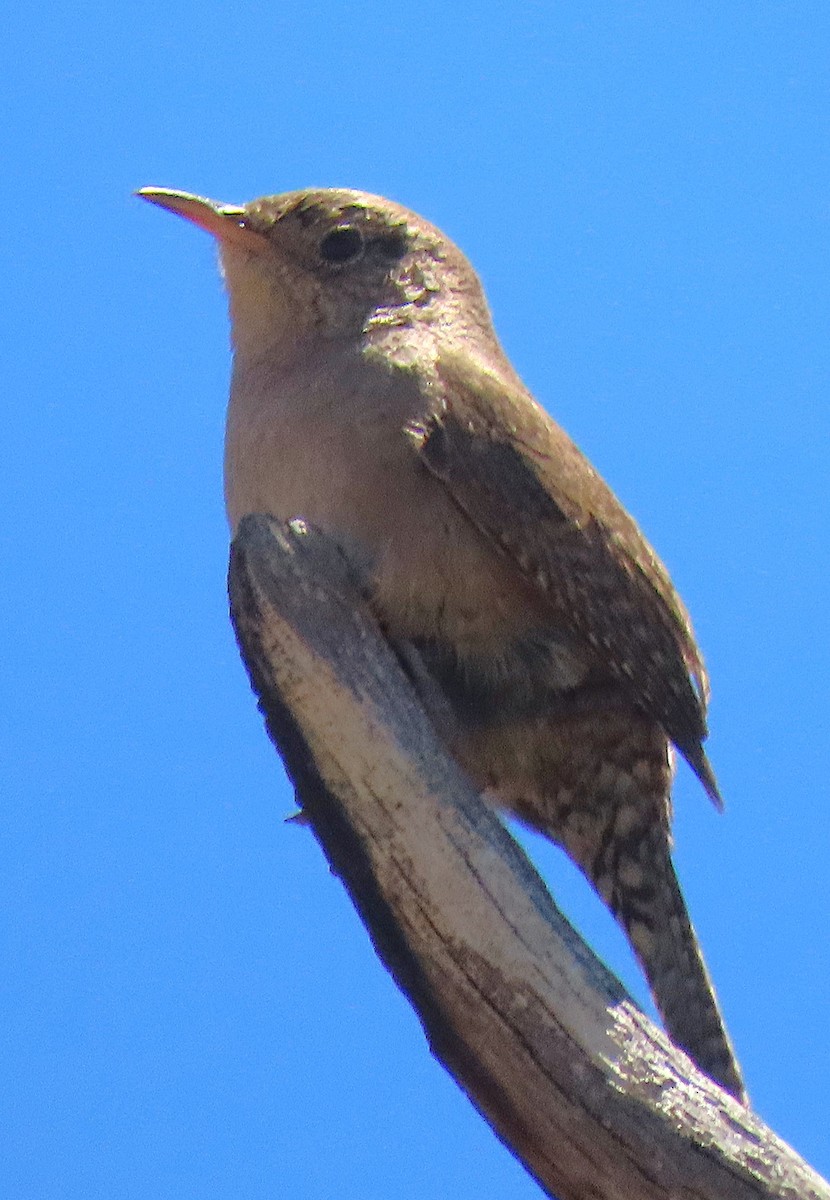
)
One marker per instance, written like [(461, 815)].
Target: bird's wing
[(528, 489)]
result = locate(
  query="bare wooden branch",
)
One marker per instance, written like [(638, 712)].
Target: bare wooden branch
[(574, 1079)]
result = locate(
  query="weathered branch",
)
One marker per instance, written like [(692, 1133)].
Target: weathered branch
[(586, 1092)]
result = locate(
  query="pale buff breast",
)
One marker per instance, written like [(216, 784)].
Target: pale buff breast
[(326, 442)]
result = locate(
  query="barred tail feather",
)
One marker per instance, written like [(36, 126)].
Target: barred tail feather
[(647, 901)]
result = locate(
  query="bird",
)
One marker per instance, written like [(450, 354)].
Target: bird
[(370, 396)]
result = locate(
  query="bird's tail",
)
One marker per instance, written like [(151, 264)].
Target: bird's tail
[(647, 901), (600, 786)]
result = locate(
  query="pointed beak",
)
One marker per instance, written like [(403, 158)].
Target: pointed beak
[(227, 222)]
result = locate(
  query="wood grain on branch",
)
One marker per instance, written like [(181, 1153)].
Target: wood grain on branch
[(575, 1080)]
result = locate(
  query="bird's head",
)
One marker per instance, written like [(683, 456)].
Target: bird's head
[(332, 263)]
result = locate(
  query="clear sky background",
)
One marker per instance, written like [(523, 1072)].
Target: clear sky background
[(190, 1007)]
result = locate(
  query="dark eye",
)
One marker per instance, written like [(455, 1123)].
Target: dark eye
[(342, 245), (392, 245)]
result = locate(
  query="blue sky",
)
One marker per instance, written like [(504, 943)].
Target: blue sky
[(189, 1006)]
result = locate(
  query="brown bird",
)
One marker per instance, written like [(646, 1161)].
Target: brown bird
[(371, 397)]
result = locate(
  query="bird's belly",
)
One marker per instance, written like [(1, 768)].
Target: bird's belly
[(435, 580), (433, 574)]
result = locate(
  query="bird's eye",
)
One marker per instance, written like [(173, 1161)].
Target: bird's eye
[(342, 245), (392, 245)]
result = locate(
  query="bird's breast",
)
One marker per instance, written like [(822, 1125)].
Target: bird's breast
[(330, 446)]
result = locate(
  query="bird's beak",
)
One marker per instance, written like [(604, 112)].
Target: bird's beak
[(225, 221)]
